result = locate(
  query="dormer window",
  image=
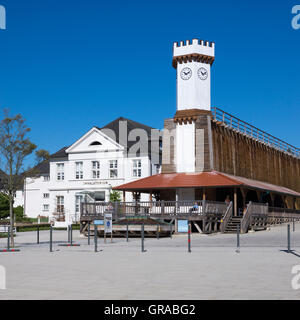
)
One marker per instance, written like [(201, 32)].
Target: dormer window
[(96, 143)]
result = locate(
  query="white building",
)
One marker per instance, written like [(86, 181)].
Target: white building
[(89, 168)]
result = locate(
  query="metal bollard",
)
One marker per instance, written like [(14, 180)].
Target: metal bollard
[(157, 232), (71, 235), (89, 233), (189, 238), (95, 238), (238, 239), (288, 239), (293, 225), (51, 238), (68, 229), (8, 238), (171, 230), (142, 237), (127, 232), (38, 235)]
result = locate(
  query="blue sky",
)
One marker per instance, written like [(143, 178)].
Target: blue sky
[(69, 65)]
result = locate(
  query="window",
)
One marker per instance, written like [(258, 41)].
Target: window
[(78, 201), (79, 171), (95, 169), (113, 168), (60, 167), (60, 204), (96, 143), (46, 195), (46, 178), (136, 168), (46, 207), (157, 169)]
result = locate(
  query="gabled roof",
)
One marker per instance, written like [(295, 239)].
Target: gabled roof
[(131, 125), (203, 179), (41, 168), (60, 154), (112, 143)]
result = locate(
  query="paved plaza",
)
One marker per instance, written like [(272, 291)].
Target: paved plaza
[(262, 269)]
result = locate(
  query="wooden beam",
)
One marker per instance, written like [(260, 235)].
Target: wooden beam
[(244, 194), (204, 194), (197, 227), (235, 202)]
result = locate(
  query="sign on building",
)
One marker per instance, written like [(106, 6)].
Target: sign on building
[(98, 222), (182, 226), (108, 223)]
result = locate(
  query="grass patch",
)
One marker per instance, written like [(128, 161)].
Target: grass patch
[(4, 235), (31, 228)]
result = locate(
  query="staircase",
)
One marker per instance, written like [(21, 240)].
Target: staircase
[(232, 225)]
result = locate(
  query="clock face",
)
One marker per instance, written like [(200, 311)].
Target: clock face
[(202, 74), (186, 73)]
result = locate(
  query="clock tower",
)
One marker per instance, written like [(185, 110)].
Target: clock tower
[(187, 136), (193, 61)]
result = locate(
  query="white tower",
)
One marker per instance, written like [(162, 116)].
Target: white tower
[(193, 63)]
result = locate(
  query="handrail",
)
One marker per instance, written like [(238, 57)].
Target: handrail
[(156, 208), (227, 216), (253, 209), (246, 218), (254, 133)]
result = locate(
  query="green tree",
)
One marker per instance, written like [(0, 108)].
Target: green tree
[(41, 155), (15, 146), (115, 196), (4, 206)]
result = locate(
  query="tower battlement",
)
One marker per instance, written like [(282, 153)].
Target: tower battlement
[(193, 61), (193, 48)]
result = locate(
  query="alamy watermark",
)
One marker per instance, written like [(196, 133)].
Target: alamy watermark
[(2, 278), (296, 279), (2, 18), (296, 18)]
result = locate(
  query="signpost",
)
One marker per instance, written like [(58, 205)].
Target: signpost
[(108, 227), (96, 224)]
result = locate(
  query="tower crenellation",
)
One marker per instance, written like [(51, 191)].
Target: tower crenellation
[(193, 60), (201, 50)]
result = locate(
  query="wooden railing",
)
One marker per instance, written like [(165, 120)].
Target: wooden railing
[(253, 209), (59, 216), (282, 215), (253, 132), (226, 217), (154, 208)]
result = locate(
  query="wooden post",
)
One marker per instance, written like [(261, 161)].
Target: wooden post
[(244, 194), (235, 202), (273, 199), (151, 199), (204, 194)]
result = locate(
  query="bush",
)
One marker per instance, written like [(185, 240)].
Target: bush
[(115, 196), (4, 206), (19, 215)]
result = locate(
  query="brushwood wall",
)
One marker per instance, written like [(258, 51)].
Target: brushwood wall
[(237, 154)]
